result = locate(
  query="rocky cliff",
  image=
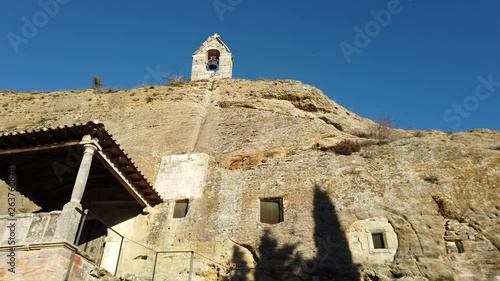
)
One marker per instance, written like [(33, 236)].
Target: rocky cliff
[(432, 196)]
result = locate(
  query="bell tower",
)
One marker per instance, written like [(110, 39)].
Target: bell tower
[(212, 60)]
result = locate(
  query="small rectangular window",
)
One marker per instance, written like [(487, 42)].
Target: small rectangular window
[(271, 210), (378, 241), (181, 208)]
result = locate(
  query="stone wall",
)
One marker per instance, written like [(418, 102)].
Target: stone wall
[(199, 66), (31, 228), (48, 264), (461, 238)]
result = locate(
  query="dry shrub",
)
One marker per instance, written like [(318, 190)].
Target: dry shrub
[(419, 134), (382, 130), (96, 82), (361, 134), (347, 147), (176, 79), (355, 146)]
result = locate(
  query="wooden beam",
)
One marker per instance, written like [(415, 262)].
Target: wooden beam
[(108, 202), (121, 178), (38, 148)]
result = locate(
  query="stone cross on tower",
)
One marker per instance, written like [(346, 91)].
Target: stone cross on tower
[(212, 60)]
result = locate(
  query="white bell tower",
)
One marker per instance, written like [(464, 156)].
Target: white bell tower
[(212, 60)]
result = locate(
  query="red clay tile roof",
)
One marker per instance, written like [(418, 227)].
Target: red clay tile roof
[(51, 136)]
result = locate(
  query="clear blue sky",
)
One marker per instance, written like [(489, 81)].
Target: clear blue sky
[(420, 67)]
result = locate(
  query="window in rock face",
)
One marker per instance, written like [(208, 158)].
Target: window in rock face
[(271, 210), (181, 208), (378, 241)]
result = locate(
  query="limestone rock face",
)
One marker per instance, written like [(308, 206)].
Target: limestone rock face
[(430, 198)]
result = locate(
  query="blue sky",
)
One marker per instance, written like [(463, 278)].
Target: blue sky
[(425, 64)]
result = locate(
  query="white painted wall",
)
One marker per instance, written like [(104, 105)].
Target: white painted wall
[(182, 176)]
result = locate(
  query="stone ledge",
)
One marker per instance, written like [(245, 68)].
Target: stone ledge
[(38, 246), (455, 238)]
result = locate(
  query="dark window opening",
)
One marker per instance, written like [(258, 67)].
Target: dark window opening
[(378, 241), (271, 210), (213, 60), (181, 208), (460, 247)]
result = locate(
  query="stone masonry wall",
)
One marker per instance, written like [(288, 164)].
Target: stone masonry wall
[(200, 58), (48, 264), (30, 228)]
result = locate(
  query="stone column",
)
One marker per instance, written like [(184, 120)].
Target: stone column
[(67, 224), (83, 173)]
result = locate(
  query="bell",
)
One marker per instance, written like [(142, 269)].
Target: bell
[(212, 65)]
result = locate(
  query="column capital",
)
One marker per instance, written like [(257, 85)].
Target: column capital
[(91, 145)]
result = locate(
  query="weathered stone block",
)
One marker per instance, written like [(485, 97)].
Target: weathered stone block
[(372, 240), (182, 176), (37, 227), (51, 225), (67, 223)]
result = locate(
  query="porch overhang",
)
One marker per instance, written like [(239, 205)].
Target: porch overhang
[(33, 151)]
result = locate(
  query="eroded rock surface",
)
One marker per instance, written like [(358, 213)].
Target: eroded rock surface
[(438, 192)]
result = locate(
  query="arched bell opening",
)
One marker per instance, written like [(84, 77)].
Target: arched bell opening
[(213, 59)]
